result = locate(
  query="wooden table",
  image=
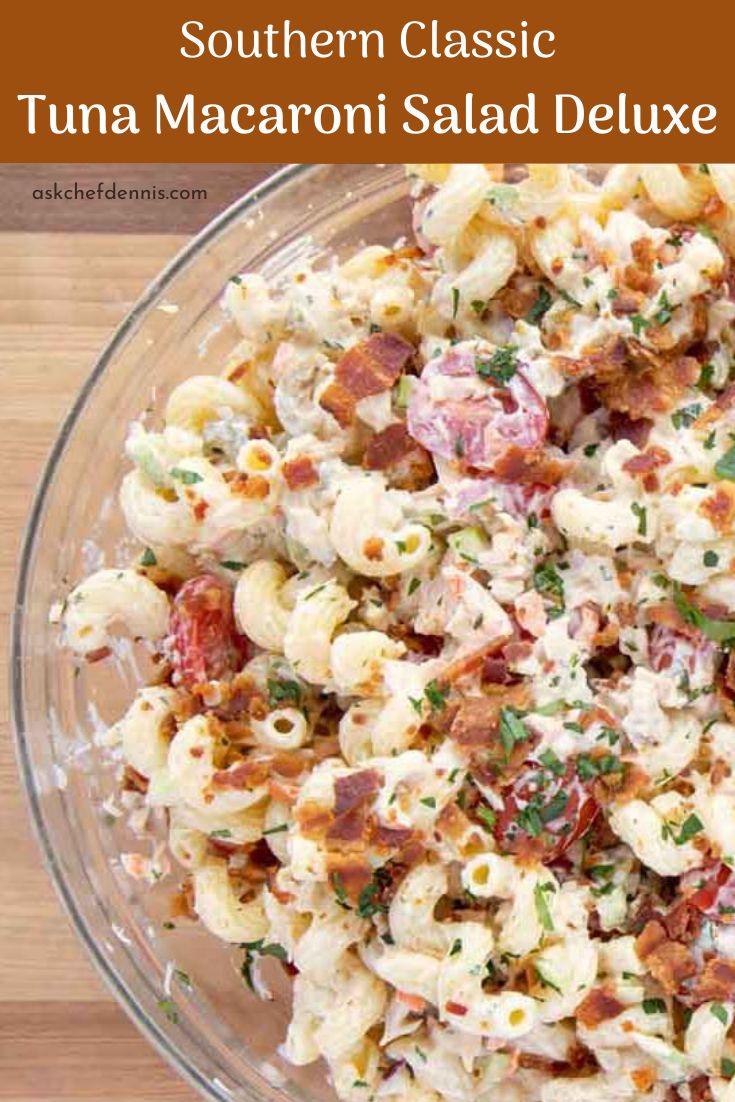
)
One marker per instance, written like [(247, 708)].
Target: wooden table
[(61, 294)]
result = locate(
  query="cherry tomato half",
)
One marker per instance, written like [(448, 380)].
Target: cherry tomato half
[(205, 644), (544, 811)]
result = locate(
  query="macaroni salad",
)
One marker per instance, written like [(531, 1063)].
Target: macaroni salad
[(439, 575)]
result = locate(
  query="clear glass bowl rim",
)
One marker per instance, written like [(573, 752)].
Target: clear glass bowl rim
[(153, 1033)]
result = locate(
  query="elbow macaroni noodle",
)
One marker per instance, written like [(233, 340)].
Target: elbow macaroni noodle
[(437, 575)]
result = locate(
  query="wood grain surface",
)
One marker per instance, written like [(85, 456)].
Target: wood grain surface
[(61, 1035)]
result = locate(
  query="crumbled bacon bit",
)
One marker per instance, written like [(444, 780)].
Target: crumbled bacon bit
[(407, 464), (647, 461), (299, 473), (350, 873), (716, 982), (250, 486), (637, 430), (133, 781), (314, 819), (348, 826), (369, 367), (98, 655), (719, 508), (643, 1078), (390, 837), (182, 902), (355, 789), (455, 1008), (245, 775), (373, 549), (519, 465), (599, 1006), (669, 962)]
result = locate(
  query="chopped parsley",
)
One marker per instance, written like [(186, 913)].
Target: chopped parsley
[(719, 631), (413, 585), (654, 1006), (148, 558), (665, 310), (231, 564), (683, 418), (546, 579), (280, 691), (168, 1007), (487, 815), (550, 760), (478, 306), (512, 730), (540, 307), (719, 1012), (639, 511), (545, 981), (187, 477), (276, 829), (456, 947), (710, 558), (428, 801), (436, 696), (368, 903), (725, 465), (639, 323), (588, 767), (727, 1068), (542, 907), (690, 828), (455, 302), (705, 376), (501, 367)]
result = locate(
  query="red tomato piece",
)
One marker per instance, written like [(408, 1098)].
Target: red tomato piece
[(455, 413), (544, 812), (205, 644), (714, 892)]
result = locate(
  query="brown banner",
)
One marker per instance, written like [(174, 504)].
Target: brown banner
[(630, 81)]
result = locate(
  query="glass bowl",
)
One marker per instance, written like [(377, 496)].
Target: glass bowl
[(217, 1034)]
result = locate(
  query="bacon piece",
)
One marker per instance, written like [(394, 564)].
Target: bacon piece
[(722, 403), (314, 819), (133, 781), (348, 827), (350, 873), (475, 723), (647, 461), (246, 774), (391, 837), (634, 380), (623, 427), (599, 1006), (716, 982), (719, 507), (408, 465), (369, 367), (669, 962), (299, 473), (519, 466), (355, 789)]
